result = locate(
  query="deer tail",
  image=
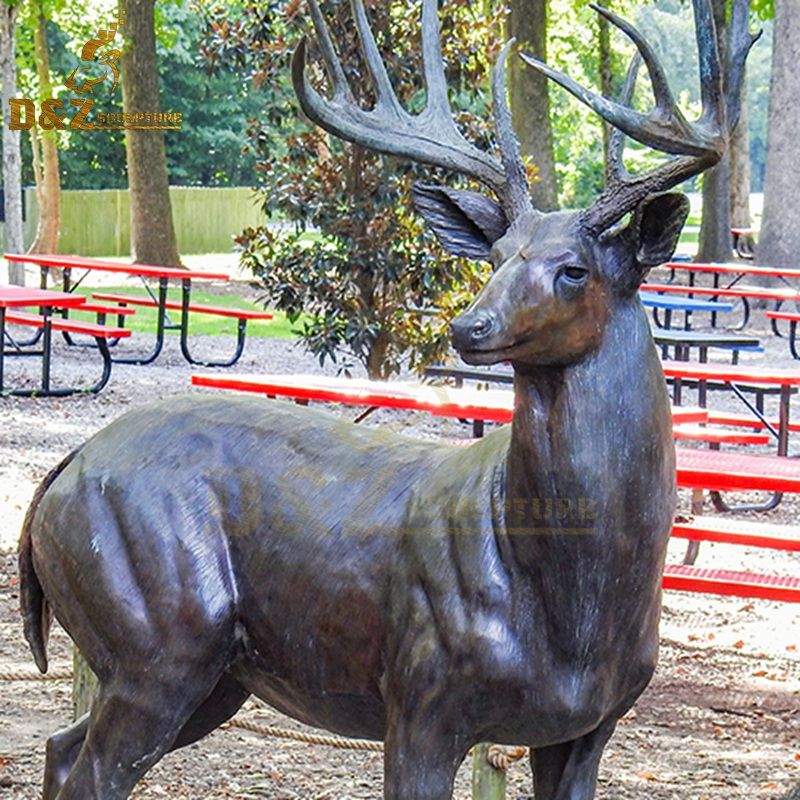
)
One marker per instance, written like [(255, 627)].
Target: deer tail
[(37, 616)]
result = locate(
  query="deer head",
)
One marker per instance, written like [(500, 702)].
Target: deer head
[(557, 275)]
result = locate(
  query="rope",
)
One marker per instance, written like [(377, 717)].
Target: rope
[(308, 738), (501, 758), (63, 674)]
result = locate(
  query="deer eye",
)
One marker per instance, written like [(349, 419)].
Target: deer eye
[(574, 274)]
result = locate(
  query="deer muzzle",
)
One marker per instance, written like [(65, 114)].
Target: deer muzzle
[(473, 330)]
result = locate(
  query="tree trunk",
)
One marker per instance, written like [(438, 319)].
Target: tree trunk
[(740, 169), (45, 151), (606, 87), (779, 243), (377, 368), (715, 228), (530, 103), (152, 230), (12, 159)]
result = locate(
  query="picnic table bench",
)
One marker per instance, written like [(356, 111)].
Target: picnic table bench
[(158, 300), (15, 298), (695, 468), (185, 307)]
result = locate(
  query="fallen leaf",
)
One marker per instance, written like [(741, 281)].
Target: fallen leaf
[(739, 645), (646, 776)]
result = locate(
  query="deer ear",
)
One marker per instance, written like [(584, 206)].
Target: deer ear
[(466, 223), (657, 225)]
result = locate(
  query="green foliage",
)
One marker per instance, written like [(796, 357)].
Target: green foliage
[(668, 25), (366, 279), (208, 151)]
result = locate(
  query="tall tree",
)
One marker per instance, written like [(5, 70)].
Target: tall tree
[(530, 101), (44, 145), (12, 160), (152, 229), (779, 243), (740, 168), (715, 229)]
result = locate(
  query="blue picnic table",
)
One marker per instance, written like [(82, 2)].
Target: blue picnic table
[(689, 305)]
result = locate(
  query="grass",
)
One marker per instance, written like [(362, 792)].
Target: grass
[(144, 320)]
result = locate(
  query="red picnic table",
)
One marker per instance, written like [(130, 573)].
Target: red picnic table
[(695, 467), (738, 271), (158, 300), (736, 375), (732, 268), (19, 297), (489, 405)]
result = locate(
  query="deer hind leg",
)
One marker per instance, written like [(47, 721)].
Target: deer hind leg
[(223, 702), (134, 721), (63, 748), (568, 771)]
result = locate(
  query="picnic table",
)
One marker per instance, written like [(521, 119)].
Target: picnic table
[(742, 294), (792, 317), (744, 242), (487, 405), (739, 270), (683, 342), (688, 305), (158, 300), (737, 377), (19, 297)]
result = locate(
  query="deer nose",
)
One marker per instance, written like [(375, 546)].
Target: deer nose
[(471, 329)]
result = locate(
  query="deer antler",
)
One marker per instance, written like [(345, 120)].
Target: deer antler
[(697, 146), (430, 137)]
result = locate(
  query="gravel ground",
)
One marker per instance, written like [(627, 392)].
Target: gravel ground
[(720, 721)]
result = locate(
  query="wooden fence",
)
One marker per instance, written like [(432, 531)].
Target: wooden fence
[(97, 222)]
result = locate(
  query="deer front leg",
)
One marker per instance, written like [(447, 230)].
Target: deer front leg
[(568, 771), (419, 765), (423, 745)]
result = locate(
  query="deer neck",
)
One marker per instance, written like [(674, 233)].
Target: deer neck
[(592, 442)]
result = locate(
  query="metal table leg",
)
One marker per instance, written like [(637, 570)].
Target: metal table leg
[(163, 284)]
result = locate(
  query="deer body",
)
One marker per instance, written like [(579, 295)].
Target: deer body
[(443, 599), (202, 550)]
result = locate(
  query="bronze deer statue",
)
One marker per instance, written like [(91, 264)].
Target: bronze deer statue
[(201, 550)]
